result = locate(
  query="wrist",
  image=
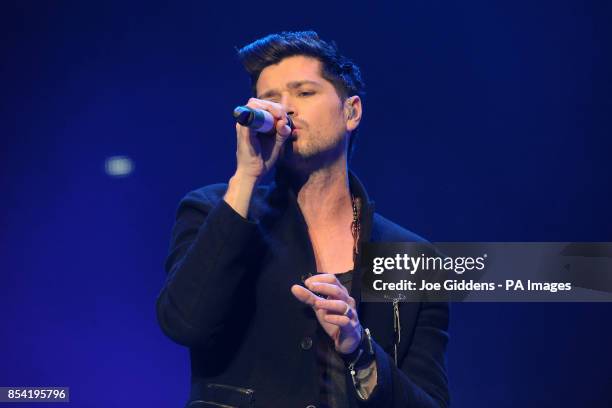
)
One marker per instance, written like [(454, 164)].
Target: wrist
[(353, 353), (239, 191), (363, 353), (244, 179)]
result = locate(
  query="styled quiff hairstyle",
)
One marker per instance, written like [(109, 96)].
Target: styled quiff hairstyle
[(343, 74)]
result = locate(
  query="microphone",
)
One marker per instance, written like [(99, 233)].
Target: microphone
[(257, 119)]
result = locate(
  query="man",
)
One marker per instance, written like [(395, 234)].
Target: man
[(262, 280)]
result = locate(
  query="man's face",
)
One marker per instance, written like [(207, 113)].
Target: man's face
[(297, 84)]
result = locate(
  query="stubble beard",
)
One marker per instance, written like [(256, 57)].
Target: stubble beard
[(307, 153)]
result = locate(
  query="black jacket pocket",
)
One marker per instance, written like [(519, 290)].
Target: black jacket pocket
[(224, 396)]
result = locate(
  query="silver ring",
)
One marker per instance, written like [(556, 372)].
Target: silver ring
[(347, 311)]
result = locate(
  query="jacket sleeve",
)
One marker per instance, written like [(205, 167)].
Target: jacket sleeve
[(421, 380), (208, 258)]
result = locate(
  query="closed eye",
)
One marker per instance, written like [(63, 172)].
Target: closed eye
[(306, 93)]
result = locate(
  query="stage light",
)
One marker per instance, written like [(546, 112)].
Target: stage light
[(119, 166)]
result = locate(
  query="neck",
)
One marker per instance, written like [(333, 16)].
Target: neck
[(323, 194)]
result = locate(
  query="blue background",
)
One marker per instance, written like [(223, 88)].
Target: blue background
[(483, 121)]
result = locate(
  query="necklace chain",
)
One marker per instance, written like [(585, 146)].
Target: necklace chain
[(356, 226)]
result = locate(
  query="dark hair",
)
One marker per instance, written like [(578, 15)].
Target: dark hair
[(343, 74)]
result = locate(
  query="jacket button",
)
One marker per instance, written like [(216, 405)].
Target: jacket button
[(306, 343)]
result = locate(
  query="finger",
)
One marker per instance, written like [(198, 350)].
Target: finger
[(246, 139), (335, 306), (243, 132), (304, 295), (339, 320), (328, 289), (276, 109), (331, 279), (323, 277), (282, 128)]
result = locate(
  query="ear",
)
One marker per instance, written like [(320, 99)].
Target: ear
[(352, 112)]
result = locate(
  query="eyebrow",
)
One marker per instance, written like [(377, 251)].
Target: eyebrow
[(290, 85)]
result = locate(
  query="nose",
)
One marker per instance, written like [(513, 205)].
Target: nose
[(287, 103)]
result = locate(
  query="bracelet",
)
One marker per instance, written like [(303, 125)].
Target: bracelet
[(363, 355)]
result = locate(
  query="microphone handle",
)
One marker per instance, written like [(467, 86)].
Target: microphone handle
[(257, 119)]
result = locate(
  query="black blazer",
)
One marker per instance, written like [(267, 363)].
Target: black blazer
[(227, 297)]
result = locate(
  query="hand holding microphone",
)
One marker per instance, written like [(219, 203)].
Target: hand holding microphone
[(257, 119), (257, 152)]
